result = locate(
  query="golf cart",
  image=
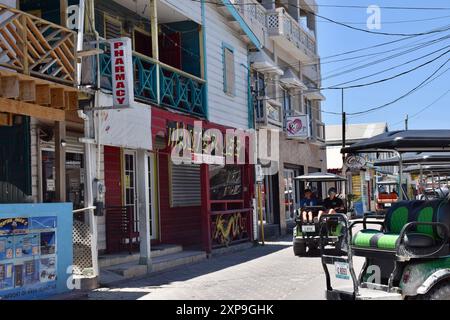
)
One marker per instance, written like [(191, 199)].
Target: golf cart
[(306, 233), (387, 196), (407, 256)]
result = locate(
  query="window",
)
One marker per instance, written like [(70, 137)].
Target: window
[(287, 102), (113, 28), (228, 70), (226, 182)]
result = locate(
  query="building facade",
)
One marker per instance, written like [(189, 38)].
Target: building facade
[(285, 75)]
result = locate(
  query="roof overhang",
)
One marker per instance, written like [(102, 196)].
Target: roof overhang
[(315, 95), (289, 79), (261, 62)]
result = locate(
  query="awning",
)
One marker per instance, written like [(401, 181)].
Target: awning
[(321, 177), (261, 62), (315, 94), (290, 79), (405, 141)]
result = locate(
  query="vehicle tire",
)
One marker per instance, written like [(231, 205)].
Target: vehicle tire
[(439, 292), (299, 249)]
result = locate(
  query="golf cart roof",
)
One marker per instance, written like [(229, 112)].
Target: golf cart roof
[(428, 169), (387, 183), (404, 141), (423, 158), (320, 177)]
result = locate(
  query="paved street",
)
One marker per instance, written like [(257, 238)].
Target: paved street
[(260, 273)]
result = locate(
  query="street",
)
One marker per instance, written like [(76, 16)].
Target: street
[(271, 272)]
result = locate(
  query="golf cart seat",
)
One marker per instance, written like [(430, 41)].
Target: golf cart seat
[(409, 229)]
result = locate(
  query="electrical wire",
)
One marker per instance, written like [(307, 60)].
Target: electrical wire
[(401, 97), (425, 108)]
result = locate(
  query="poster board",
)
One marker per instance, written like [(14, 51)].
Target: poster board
[(35, 250)]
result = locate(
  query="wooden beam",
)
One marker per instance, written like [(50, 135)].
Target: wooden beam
[(63, 12), (43, 94), (10, 87), (27, 90), (6, 119), (71, 100), (57, 98), (32, 110)]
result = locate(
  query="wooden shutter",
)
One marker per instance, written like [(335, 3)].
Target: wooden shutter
[(229, 71), (113, 28), (185, 185)]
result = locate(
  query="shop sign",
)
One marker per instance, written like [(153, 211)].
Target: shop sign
[(122, 73), (298, 127), (355, 162), (35, 250)]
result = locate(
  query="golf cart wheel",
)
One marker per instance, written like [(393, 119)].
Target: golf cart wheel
[(299, 249), (439, 292)]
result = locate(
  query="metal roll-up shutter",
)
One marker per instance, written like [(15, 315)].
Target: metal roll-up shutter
[(73, 144), (185, 185)]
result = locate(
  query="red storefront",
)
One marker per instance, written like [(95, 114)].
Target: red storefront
[(200, 205)]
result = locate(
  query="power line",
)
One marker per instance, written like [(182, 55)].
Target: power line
[(390, 22), (425, 108), (339, 23), (392, 77), (402, 96), (372, 63)]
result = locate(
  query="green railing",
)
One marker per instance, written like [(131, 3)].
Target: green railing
[(177, 89)]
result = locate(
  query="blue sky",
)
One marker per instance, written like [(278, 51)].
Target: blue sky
[(334, 39)]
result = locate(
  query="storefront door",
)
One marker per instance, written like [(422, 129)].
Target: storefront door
[(74, 177), (290, 194), (130, 189), (151, 196)]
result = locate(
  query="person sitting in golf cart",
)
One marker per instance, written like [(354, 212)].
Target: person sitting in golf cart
[(332, 204), (308, 201)]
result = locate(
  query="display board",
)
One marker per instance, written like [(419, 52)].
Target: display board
[(35, 250)]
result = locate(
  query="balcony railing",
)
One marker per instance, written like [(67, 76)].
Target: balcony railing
[(268, 112), (255, 15), (37, 47), (177, 89), (280, 23)]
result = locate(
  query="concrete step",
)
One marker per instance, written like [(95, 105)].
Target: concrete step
[(177, 259), (117, 273), (109, 260)]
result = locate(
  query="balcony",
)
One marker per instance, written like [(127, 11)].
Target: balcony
[(177, 89), (269, 113), (291, 35), (38, 67), (255, 15), (33, 46)]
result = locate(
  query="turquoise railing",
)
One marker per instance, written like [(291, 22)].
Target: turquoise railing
[(177, 89)]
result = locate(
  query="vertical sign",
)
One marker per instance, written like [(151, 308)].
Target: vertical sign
[(122, 73)]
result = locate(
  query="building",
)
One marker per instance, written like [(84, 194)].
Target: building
[(189, 66), (285, 75), (362, 182), (42, 160)]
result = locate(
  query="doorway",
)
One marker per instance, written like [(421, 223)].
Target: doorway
[(130, 191)]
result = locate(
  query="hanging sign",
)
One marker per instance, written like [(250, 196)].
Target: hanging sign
[(297, 127), (122, 73), (354, 162)]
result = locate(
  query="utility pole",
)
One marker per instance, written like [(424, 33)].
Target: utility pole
[(407, 123), (344, 124)]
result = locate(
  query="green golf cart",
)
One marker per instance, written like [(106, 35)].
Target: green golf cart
[(407, 254), (306, 237)]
